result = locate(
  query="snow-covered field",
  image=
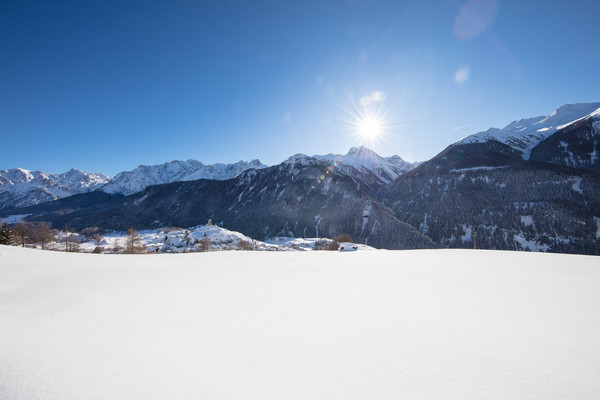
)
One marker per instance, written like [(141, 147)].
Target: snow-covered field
[(434, 324)]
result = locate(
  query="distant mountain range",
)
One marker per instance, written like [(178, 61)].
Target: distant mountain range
[(531, 186), (21, 188), (130, 182)]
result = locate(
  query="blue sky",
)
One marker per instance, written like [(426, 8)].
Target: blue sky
[(105, 85)]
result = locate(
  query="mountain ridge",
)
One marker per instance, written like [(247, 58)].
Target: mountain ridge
[(524, 134), (34, 191), (129, 182), (20, 187), (366, 160)]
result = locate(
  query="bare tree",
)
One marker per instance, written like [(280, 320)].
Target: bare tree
[(134, 242), (43, 234), (246, 245), (205, 244), (321, 244), (334, 245), (117, 247), (98, 238), (23, 233), (72, 242), (65, 238)]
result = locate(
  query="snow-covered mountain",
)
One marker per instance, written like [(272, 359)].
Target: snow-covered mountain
[(129, 182), (531, 186), (577, 145), (524, 134), (361, 158), (20, 187), (366, 160)]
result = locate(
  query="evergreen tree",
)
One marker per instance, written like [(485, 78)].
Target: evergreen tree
[(5, 234)]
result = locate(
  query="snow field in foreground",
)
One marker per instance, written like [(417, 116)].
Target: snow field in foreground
[(429, 324)]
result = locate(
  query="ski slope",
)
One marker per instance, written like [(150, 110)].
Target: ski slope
[(429, 324)]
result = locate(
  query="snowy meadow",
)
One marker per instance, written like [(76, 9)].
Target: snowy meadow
[(428, 324)]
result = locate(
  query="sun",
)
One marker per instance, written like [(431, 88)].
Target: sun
[(369, 127), (369, 122)]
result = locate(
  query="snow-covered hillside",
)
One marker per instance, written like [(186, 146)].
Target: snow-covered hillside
[(366, 160), (172, 240), (129, 182), (525, 134), (200, 238), (440, 324), (20, 187), (308, 244)]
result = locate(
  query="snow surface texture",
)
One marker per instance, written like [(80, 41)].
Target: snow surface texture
[(130, 182), (439, 324), (525, 134)]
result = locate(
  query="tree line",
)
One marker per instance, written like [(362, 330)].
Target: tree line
[(28, 234)]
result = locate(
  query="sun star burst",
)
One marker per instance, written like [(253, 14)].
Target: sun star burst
[(369, 127)]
